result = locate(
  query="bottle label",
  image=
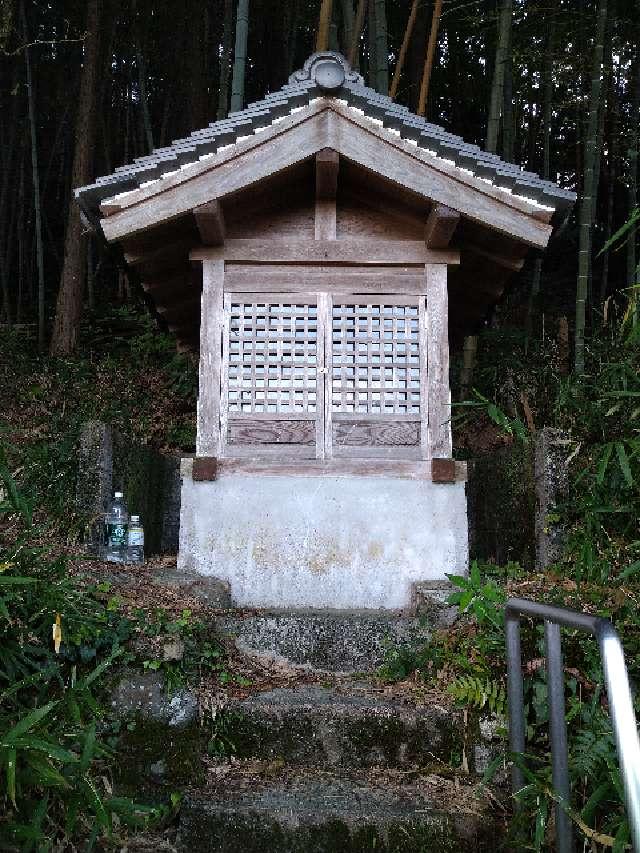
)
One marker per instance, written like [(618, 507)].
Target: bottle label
[(136, 536), (116, 534)]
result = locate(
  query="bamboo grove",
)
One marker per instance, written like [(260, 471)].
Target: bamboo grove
[(87, 86)]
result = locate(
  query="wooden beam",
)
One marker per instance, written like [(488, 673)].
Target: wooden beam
[(160, 256), (327, 166), (208, 441), (346, 252), (241, 278), (441, 223), (437, 342), (210, 221), (514, 264)]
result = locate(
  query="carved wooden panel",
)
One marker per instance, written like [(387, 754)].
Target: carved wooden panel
[(271, 431)]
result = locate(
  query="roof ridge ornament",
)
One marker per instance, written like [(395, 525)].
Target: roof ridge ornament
[(329, 69)]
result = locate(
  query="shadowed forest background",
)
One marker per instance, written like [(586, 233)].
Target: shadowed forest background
[(88, 86)]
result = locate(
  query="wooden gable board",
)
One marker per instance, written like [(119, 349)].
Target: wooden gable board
[(352, 137)]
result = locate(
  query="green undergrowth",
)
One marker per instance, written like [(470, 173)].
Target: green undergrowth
[(65, 641), (129, 375), (522, 384)]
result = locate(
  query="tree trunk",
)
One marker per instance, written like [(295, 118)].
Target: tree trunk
[(225, 60), (428, 62), (632, 155), (587, 203), (348, 21), (497, 85), (240, 57), (381, 51), (508, 120), (403, 50), (69, 304), (357, 33), (547, 117), (36, 184)]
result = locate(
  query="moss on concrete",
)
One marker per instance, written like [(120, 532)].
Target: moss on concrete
[(145, 743), (255, 833)]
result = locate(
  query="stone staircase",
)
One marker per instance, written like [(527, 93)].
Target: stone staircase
[(317, 754), (335, 762)]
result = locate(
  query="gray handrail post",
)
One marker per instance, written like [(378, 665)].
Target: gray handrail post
[(558, 735), (620, 704), (624, 722), (515, 696)]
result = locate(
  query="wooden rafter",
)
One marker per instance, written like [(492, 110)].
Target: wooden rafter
[(210, 221), (441, 224)]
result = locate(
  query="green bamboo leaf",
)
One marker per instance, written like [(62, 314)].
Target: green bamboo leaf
[(28, 722), (633, 569), (11, 759), (624, 463), (621, 839), (52, 750), (604, 462), (89, 748), (629, 226), (13, 580)]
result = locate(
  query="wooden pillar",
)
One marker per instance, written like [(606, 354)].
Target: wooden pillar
[(437, 334), (208, 440)]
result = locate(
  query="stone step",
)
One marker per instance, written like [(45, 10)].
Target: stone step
[(334, 641), (345, 726), (322, 813)]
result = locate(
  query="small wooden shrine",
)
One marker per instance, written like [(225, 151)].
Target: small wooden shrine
[(320, 248)]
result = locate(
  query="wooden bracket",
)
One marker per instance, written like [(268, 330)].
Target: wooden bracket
[(205, 469), (441, 223), (210, 221), (443, 471)]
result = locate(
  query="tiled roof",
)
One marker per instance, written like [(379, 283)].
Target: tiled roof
[(325, 75)]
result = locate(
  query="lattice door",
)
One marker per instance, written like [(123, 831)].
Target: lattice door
[(272, 385), (377, 372)]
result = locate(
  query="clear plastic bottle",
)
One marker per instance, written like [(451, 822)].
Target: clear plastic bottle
[(116, 529), (135, 541)]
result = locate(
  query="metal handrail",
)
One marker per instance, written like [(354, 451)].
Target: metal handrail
[(620, 706)]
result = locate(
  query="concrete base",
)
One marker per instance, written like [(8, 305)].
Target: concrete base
[(336, 542)]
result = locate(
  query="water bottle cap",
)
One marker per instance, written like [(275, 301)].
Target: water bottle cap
[(118, 494)]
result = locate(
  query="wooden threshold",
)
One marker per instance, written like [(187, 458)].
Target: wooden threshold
[(394, 469)]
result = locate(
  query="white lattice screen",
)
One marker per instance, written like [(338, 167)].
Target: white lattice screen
[(273, 352), (322, 375), (375, 358)]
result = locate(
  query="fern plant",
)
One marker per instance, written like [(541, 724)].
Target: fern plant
[(479, 693)]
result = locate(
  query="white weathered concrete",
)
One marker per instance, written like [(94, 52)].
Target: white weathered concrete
[(338, 542)]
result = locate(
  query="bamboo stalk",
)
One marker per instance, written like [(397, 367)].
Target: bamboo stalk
[(403, 50), (240, 58), (586, 207), (428, 62), (324, 22), (357, 32)]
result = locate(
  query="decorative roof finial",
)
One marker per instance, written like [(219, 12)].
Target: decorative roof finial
[(329, 69)]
